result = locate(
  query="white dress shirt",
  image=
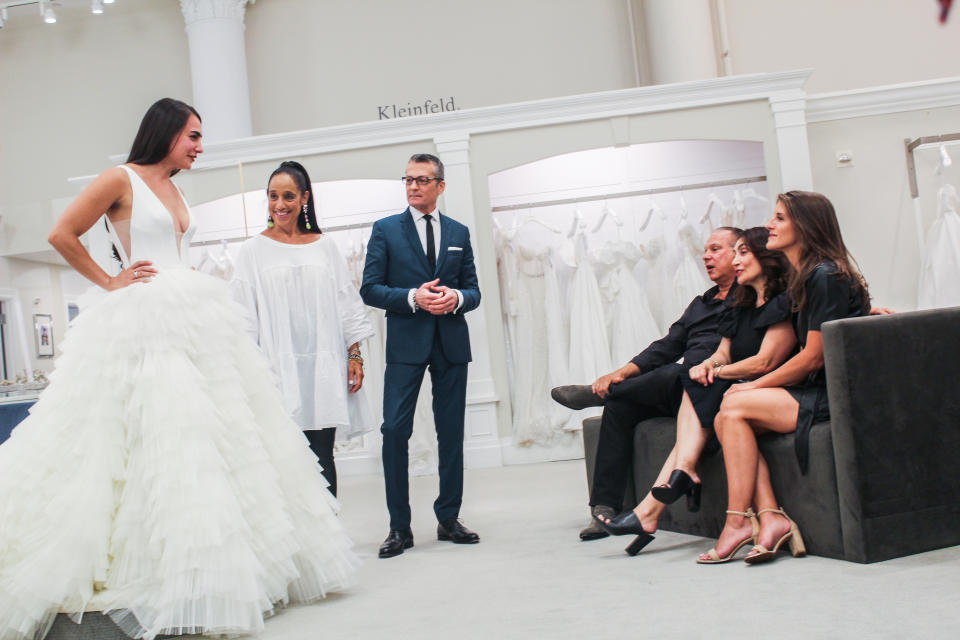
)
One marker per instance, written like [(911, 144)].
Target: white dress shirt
[(420, 222)]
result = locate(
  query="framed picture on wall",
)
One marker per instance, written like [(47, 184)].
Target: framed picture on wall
[(43, 334)]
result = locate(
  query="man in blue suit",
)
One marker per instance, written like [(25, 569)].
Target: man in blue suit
[(420, 269)]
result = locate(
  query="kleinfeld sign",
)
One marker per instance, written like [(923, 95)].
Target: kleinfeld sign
[(391, 111)]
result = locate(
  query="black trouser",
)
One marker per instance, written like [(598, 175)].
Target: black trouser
[(321, 443), (653, 394)]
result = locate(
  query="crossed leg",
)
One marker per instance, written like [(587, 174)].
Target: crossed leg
[(691, 438)]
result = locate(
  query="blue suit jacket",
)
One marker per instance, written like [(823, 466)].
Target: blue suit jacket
[(397, 263)]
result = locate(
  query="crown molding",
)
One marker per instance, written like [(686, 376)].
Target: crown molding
[(774, 87), (875, 101)]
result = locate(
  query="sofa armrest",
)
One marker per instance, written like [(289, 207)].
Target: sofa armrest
[(895, 417)]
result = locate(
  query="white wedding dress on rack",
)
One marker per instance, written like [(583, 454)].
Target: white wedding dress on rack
[(589, 343), (659, 286), (158, 478), (690, 280), (631, 325), (532, 411), (940, 270)]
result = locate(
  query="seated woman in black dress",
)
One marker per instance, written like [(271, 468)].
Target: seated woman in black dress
[(756, 338), (825, 284)]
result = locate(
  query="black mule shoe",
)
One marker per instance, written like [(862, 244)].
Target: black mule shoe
[(680, 483), (625, 524)]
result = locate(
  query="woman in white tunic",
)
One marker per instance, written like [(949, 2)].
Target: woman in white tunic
[(306, 314)]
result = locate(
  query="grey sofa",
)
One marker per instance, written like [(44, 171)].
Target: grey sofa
[(884, 478)]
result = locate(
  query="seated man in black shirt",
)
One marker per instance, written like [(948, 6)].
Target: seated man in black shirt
[(649, 385)]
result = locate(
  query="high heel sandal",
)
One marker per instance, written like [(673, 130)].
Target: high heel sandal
[(625, 524), (716, 558), (759, 553), (680, 483)]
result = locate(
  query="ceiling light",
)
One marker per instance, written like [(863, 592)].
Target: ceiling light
[(49, 15), (108, 1), (3, 16), (96, 6)]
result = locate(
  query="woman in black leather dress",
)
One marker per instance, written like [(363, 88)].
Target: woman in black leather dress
[(756, 337), (825, 284)]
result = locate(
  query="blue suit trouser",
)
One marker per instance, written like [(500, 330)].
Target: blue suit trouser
[(401, 389)]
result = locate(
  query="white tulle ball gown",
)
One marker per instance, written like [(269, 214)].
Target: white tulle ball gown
[(158, 478)]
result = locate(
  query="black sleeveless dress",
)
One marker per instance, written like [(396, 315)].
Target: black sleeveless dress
[(830, 296), (746, 327)]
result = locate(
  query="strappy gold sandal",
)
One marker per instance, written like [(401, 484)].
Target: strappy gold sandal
[(716, 558), (759, 553)]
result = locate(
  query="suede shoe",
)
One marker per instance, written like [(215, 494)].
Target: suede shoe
[(396, 542), (455, 532), (594, 530), (576, 396)]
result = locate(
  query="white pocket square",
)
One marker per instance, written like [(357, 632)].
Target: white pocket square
[(454, 248)]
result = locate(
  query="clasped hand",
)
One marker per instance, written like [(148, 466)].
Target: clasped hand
[(703, 373), (436, 298)]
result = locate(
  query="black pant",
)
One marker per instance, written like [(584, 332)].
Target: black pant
[(401, 389), (321, 443), (653, 394)]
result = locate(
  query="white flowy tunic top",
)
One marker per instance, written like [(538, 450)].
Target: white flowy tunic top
[(304, 311)]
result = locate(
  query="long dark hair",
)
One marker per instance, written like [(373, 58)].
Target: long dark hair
[(815, 221), (306, 221), (160, 125), (773, 264)]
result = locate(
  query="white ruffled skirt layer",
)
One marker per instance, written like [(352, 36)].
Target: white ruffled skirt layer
[(159, 480)]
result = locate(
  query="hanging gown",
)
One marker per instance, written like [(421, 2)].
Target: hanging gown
[(940, 269), (690, 280), (158, 478), (531, 407), (664, 304), (589, 345), (631, 324)]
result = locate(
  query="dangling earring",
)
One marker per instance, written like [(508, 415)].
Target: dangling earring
[(270, 221), (307, 219)]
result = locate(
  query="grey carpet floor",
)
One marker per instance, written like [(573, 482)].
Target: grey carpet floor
[(531, 577)]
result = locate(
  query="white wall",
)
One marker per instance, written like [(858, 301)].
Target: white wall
[(315, 64), (872, 197), (39, 290), (72, 93), (848, 43)]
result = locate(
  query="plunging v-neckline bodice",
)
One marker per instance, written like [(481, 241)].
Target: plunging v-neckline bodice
[(153, 229)]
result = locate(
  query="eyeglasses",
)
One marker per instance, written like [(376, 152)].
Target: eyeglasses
[(420, 180)]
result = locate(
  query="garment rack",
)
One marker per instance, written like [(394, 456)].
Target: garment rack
[(341, 227), (911, 145), (631, 194)]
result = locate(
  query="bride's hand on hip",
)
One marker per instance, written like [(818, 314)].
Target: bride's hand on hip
[(140, 271)]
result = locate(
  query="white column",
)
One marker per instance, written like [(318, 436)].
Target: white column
[(218, 66), (679, 40), (481, 441), (790, 121)]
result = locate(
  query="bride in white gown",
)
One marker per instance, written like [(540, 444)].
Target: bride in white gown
[(158, 478)]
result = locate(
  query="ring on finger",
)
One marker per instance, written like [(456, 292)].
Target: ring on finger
[(136, 273)]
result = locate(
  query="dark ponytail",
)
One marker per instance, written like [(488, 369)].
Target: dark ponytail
[(306, 222)]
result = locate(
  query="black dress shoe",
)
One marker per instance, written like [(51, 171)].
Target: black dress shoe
[(680, 483), (625, 524), (455, 532), (576, 396), (396, 542), (595, 530)]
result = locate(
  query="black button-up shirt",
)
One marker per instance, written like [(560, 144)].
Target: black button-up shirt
[(694, 337)]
